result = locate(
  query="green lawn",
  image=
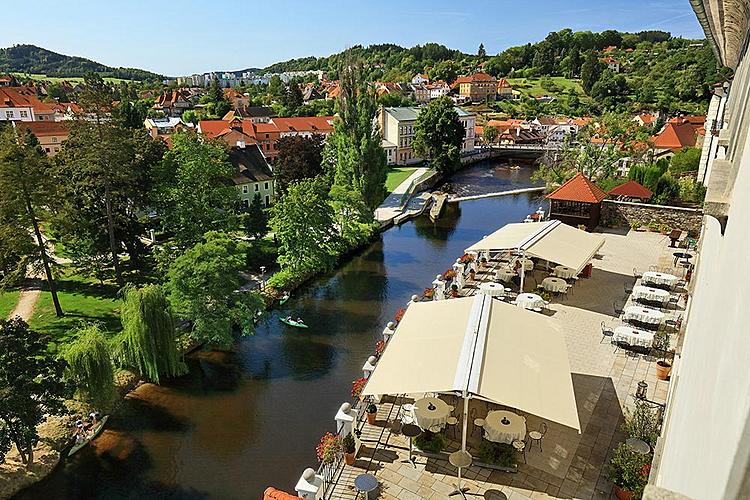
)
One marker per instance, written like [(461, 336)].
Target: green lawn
[(83, 300), (397, 175), (57, 79), (8, 301), (533, 86)]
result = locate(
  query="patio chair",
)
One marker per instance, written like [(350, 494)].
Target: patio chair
[(653, 268), (628, 288), (637, 275), (537, 436), (405, 413), (606, 332), (674, 323), (674, 300), (520, 447), (452, 422), (617, 307)]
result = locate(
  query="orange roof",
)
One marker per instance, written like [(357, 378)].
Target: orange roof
[(315, 124), (675, 136), (691, 119), (610, 48), (582, 121), (647, 118), (631, 189), (22, 97), (311, 124), (579, 188), (482, 77), (503, 84), (272, 493), (46, 128), (609, 60)]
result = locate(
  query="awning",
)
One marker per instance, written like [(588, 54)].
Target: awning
[(551, 240), (493, 350)]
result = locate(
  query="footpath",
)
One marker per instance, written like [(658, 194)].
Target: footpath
[(391, 206)]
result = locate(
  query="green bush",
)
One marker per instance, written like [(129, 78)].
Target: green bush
[(501, 454), (630, 470), (287, 279), (431, 441), (642, 423)]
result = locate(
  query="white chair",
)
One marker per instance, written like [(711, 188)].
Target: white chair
[(537, 436), (453, 423), (606, 332), (520, 447)]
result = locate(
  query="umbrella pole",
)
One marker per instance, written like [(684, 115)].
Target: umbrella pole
[(523, 270), (466, 424)]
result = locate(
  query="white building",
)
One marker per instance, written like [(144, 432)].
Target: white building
[(420, 79), (21, 104)]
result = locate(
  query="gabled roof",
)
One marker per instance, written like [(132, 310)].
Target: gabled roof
[(22, 97), (631, 189), (46, 128), (250, 165), (579, 188), (676, 136)]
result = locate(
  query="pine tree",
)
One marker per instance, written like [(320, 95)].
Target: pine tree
[(481, 52)]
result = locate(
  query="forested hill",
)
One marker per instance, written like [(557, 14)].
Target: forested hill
[(36, 60)]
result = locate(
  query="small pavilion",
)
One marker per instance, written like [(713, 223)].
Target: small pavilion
[(577, 202), (630, 191)]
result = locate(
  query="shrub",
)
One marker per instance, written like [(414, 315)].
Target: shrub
[(329, 448), (630, 470), (348, 443), (431, 441), (379, 347), (501, 454), (357, 387), (642, 423), (287, 279)]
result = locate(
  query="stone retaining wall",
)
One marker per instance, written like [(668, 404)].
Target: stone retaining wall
[(625, 213)]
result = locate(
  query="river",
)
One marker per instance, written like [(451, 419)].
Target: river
[(242, 421)]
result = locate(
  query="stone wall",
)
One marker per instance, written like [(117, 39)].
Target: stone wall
[(624, 214)]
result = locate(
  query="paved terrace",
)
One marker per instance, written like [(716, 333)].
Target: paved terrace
[(604, 380)]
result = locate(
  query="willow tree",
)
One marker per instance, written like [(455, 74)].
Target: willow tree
[(89, 367), (147, 343)]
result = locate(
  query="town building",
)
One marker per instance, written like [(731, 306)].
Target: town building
[(256, 114), (505, 90), (22, 104), (646, 119), (438, 89), (420, 79), (479, 87), (630, 191), (7, 81), (577, 202), (421, 93), (50, 134), (163, 128), (236, 99), (253, 176), (172, 103), (556, 129), (677, 135), (611, 63)]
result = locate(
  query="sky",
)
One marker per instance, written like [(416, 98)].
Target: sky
[(190, 36)]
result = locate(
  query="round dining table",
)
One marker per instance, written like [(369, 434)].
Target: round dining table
[(501, 426), (650, 294), (504, 274), (429, 412), (564, 272), (492, 289), (530, 301), (552, 284), (643, 315)]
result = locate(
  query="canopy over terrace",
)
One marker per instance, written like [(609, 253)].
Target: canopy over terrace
[(484, 348), (552, 241)]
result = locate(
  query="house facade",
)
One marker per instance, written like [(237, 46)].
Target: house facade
[(50, 134), (479, 87), (20, 104), (173, 103), (253, 176)]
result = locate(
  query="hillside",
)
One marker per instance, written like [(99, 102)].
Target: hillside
[(36, 60)]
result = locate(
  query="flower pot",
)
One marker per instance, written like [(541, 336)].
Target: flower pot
[(349, 458), (623, 494), (663, 369), (371, 418)]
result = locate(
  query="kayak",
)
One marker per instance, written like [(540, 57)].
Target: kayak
[(283, 299), (95, 432), (293, 323)]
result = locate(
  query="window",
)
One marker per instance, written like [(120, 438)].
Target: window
[(54, 139), (256, 186), (46, 149), (9, 114), (267, 200), (24, 114), (245, 203), (57, 149), (244, 189), (266, 136), (265, 185)]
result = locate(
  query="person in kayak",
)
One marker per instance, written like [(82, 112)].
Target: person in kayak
[(80, 434)]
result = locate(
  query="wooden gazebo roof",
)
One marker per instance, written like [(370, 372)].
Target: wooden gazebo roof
[(631, 189)]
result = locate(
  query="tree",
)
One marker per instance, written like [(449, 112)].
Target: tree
[(148, 339), (204, 288), (293, 98), (30, 384), (685, 160), (299, 158), (591, 70), (438, 135), (481, 52), (190, 116), (303, 222), (194, 189), (26, 186), (215, 92), (611, 88), (353, 151), (489, 134), (255, 219), (89, 366), (276, 87)]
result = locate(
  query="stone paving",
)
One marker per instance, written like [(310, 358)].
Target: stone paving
[(604, 378)]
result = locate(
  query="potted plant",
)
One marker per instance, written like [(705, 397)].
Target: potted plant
[(400, 314), (357, 387), (449, 274), (371, 411), (431, 442), (454, 291), (349, 449), (428, 293), (653, 226), (660, 348), (328, 448), (379, 348), (629, 472), (642, 422), (472, 274)]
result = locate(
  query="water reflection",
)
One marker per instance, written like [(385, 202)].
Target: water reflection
[(247, 419)]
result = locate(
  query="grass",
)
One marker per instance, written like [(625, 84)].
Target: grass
[(533, 86), (83, 300), (397, 175), (8, 301), (57, 79)]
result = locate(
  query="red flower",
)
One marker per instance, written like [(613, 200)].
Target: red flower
[(357, 386), (400, 314), (379, 347)]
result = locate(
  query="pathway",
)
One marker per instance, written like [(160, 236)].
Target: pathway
[(391, 206), (27, 299)]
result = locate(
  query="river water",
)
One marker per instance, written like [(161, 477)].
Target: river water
[(242, 421)]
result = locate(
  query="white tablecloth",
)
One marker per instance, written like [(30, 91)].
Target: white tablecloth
[(426, 417), (659, 278), (530, 301), (643, 314), (497, 431), (528, 264), (641, 292), (504, 274), (492, 289), (633, 336), (564, 272), (554, 284)]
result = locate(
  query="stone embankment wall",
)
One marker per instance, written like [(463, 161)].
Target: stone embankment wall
[(624, 214)]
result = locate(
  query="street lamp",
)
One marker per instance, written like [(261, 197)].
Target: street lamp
[(262, 275)]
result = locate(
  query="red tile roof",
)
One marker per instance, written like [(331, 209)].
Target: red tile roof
[(22, 97), (692, 119), (273, 494), (46, 128), (579, 188), (631, 189), (676, 136), (647, 118)]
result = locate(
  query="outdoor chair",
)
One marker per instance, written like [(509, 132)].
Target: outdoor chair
[(653, 268), (637, 275), (628, 288), (674, 300), (617, 307), (674, 323), (537, 436), (520, 447), (453, 423), (405, 413), (606, 332)]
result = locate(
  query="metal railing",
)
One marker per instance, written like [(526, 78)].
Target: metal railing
[(412, 185)]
